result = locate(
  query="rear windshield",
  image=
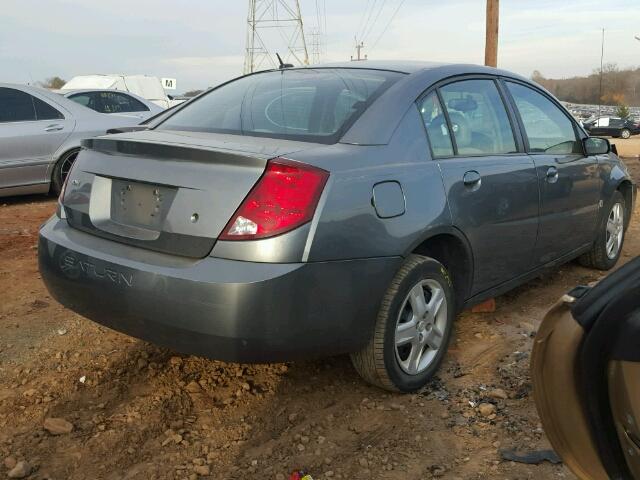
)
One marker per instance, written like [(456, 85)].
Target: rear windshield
[(315, 105)]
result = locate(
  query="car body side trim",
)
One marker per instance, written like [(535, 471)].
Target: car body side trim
[(316, 219)]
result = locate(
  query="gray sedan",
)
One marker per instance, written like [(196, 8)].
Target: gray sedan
[(40, 134), (350, 208)]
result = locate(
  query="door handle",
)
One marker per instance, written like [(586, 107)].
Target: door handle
[(552, 175), (54, 128), (472, 179)]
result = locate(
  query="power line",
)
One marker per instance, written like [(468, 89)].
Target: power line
[(318, 18), (361, 22), (366, 23), (384, 30), (324, 14), (374, 21)]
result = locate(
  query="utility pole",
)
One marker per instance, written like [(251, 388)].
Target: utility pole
[(359, 47), (601, 73), (270, 22), (491, 41)]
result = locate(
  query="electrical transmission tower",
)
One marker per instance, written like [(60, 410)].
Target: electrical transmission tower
[(316, 46), (272, 23)]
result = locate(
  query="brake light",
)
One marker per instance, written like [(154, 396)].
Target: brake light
[(284, 198)]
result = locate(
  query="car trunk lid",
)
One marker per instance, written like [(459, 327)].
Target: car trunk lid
[(172, 192)]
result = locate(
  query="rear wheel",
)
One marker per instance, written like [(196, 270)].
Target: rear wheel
[(413, 328), (608, 245), (61, 170), (625, 133)]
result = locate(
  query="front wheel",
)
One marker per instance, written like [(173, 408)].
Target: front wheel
[(625, 133), (413, 328), (610, 237), (61, 170)]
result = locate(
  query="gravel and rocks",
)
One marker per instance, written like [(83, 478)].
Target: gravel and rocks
[(145, 412)]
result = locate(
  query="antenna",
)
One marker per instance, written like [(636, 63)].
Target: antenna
[(270, 22), (282, 64)]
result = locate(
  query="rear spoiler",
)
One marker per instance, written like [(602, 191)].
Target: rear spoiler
[(135, 128)]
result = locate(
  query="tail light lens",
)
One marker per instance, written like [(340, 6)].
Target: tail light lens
[(284, 198)]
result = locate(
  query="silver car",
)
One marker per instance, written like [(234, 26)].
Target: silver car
[(114, 102), (354, 208), (40, 135)]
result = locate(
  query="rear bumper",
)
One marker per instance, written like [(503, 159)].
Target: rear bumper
[(224, 309)]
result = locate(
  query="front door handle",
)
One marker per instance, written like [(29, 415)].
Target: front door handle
[(54, 128), (472, 179), (552, 175)]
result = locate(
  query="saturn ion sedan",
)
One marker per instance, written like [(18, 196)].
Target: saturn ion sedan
[(348, 208)]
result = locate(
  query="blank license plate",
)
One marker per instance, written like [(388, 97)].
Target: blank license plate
[(139, 204)]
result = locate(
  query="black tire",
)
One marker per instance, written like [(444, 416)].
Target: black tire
[(61, 170), (381, 362), (625, 133), (599, 257)]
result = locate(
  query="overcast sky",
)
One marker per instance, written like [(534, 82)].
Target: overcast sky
[(202, 42)]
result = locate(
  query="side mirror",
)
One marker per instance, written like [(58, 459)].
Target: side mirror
[(614, 149), (596, 146)]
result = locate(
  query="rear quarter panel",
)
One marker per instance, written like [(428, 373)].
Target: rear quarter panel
[(613, 172), (348, 226)]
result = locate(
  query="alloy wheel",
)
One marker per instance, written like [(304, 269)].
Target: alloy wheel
[(66, 165), (615, 230), (420, 326)]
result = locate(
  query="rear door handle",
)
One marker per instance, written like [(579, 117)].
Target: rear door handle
[(54, 128), (472, 179), (552, 175)]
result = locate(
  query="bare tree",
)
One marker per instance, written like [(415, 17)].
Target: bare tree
[(54, 83)]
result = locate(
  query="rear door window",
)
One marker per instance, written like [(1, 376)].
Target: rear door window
[(44, 111), (16, 106), (121, 103), (85, 99), (547, 128), (436, 125), (307, 104), (615, 122), (478, 118)]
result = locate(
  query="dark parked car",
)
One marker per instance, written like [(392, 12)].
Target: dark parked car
[(612, 127), (343, 209), (585, 368)]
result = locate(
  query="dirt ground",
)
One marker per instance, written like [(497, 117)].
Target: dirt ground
[(142, 412)]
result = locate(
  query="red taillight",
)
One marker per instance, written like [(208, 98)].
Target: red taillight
[(284, 198)]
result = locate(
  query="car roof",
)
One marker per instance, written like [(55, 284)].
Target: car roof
[(68, 93), (56, 98), (413, 67), (403, 66), (394, 103), (71, 106)]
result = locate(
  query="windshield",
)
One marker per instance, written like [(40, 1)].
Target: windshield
[(315, 105)]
